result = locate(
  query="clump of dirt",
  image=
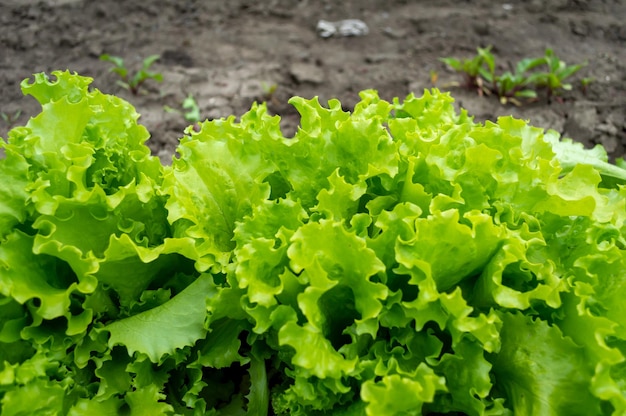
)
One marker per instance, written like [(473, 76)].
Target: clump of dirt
[(230, 54)]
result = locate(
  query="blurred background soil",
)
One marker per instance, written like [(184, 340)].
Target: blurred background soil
[(228, 54)]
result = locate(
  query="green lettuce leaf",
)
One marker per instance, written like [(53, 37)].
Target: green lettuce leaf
[(395, 394), (40, 396), (161, 330), (13, 194), (216, 181), (542, 372)]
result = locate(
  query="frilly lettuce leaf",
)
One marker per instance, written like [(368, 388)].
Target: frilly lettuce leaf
[(42, 282), (84, 407), (40, 396), (395, 394), (181, 318), (327, 256), (357, 145), (572, 154), (456, 253), (468, 380), (217, 180), (542, 372), (13, 194)]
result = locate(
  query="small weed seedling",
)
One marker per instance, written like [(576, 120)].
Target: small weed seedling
[(584, 83), (190, 110), (434, 76), (471, 69), (190, 104), (133, 82), (10, 119), (269, 91), (553, 80), (521, 82), (192, 114)]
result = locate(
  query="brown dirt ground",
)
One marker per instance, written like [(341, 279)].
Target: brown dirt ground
[(228, 54)]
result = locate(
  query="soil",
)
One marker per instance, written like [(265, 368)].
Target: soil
[(228, 54)]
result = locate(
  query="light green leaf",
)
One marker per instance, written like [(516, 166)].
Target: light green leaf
[(394, 394), (25, 276), (13, 195), (175, 324), (39, 397), (148, 401), (328, 255), (468, 380), (315, 356), (86, 407), (221, 346), (217, 180), (540, 371), (258, 398), (449, 250)]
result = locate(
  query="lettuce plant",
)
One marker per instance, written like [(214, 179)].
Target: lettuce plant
[(399, 259)]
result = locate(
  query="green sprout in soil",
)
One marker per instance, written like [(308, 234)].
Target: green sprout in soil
[(192, 113), (268, 89), (471, 69), (584, 83), (269, 92), (133, 81), (529, 76), (553, 80), (434, 76), (189, 110), (10, 119)]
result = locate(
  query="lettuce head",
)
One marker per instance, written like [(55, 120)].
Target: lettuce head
[(397, 259)]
